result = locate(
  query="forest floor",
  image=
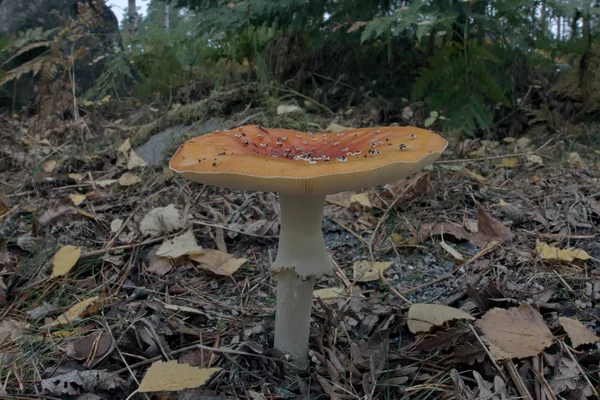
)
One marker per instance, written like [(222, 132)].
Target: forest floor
[(506, 233)]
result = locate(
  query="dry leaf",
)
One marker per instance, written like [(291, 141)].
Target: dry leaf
[(510, 162), (77, 199), (217, 262), (49, 165), (179, 246), (77, 177), (453, 252), (577, 332), (365, 271), (548, 252), (329, 294), (93, 348), (474, 175), (336, 128), (575, 160), (79, 310), (135, 161), (522, 143), (361, 199), (171, 376), (158, 265), (287, 109), (10, 330), (115, 225), (160, 219), (422, 317), (128, 179), (76, 382), (65, 259), (105, 182), (516, 332), (489, 229), (125, 147)]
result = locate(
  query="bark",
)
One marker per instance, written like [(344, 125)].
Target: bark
[(166, 15), (133, 20)]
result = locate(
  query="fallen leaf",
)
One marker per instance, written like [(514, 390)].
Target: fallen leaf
[(523, 142), (534, 160), (489, 229), (548, 252), (336, 128), (77, 199), (179, 246), (287, 109), (76, 382), (93, 348), (49, 165), (509, 162), (422, 317), (135, 161), (442, 229), (10, 330), (65, 259), (105, 182), (575, 160), (503, 203), (509, 140), (77, 177), (365, 271), (190, 310), (474, 175), (453, 252), (518, 332), (577, 332), (361, 199), (128, 179), (171, 376), (83, 308), (329, 294), (115, 225), (125, 146), (471, 225), (161, 219), (217, 262)]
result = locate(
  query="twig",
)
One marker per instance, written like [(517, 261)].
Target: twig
[(536, 367), (564, 346), (233, 230), (564, 282), (472, 160), (547, 388), (208, 348), (517, 380), (487, 352)]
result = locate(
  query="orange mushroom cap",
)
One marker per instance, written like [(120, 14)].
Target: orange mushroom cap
[(252, 157)]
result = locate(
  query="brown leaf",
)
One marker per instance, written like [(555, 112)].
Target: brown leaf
[(515, 333), (93, 348), (469, 353), (444, 228), (171, 376), (443, 340), (577, 332), (217, 262), (489, 229)]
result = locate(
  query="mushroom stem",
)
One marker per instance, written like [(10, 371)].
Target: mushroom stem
[(301, 258)]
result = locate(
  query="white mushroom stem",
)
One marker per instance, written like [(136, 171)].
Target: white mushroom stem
[(301, 258)]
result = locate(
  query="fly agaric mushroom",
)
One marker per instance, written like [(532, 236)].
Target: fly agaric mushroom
[(303, 168)]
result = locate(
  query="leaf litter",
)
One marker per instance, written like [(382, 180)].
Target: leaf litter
[(165, 290)]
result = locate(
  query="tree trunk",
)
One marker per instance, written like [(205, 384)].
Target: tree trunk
[(133, 20), (166, 15)]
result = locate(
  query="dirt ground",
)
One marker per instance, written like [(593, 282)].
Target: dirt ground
[(494, 229)]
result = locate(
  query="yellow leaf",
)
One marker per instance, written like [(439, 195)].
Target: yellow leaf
[(477, 153), (365, 271), (548, 252), (65, 259), (575, 160), (76, 177), (125, 147), (172, 376), (509, 140), (502, 203), (474, 175), (128, 179), (135, 161), (77, 199), (217, 262), (79, 310), (329, 294), (336, 128), (361, 199), (422, 317), (509, 162)]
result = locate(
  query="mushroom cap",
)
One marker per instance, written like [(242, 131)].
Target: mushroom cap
[(252, 157)]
